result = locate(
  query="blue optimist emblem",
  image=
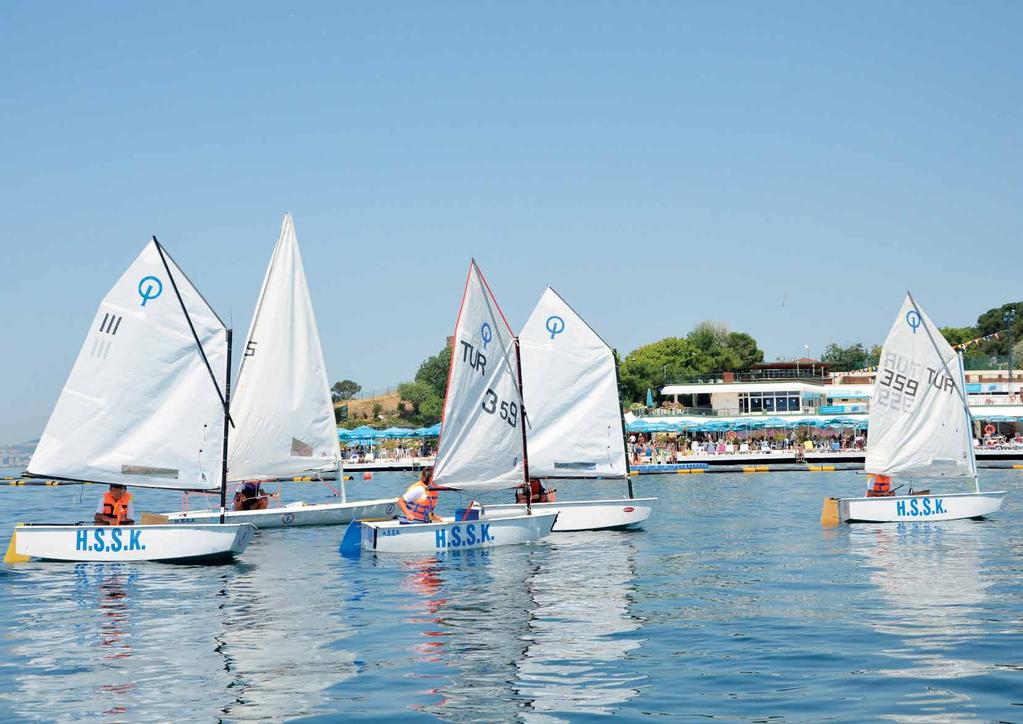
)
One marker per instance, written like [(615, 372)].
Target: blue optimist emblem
[(913, 319), (150, 288), (486, 334), (555, 325)]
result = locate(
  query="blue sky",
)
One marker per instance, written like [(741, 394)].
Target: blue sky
[(788, 168)]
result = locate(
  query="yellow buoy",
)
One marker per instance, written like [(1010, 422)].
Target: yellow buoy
[(829, 513), (12, 555)]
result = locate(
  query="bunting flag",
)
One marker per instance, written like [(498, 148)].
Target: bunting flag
[(978, 340)]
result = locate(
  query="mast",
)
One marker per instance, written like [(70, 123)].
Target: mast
[(522, 409), (625, 435), (227, 419), (969, 427)]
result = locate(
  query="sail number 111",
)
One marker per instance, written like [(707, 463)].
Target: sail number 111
[(509, 410)]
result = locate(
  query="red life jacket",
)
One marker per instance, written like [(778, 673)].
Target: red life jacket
[(116, 508), (881, 487)]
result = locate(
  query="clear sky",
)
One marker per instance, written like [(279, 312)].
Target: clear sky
[(788, 168)]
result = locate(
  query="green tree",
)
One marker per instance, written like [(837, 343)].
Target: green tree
[(422, 405), (434, 371), (746, 348), (958, 335), (843, 359), (344, 390), (991, 321), (652, 365)]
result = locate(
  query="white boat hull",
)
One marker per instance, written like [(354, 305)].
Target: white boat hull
[(574, 515), (295, 514), (132, 543), (916, 508), (392, 536)]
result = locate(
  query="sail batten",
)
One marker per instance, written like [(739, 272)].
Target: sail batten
[(571, 394), (139, 407), (282, 407), (481, 442), (918, 424)]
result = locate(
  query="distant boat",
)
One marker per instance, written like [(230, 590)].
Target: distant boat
[(574, 417), (282, 409), (482, 440), (146, 405), (920, 428)]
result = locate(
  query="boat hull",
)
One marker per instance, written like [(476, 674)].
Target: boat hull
[(295, 514), (132, 543), (917, 508), (392, 536), (577, 515)]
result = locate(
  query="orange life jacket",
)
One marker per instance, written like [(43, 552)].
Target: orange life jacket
[(116, 508), (420, 510), (881, 487)]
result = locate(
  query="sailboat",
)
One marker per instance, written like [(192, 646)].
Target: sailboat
[(482, 441), (282, 408), (146, 405), (919, 427), (574, 417)]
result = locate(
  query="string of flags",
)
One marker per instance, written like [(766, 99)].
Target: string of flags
[(978, 340)]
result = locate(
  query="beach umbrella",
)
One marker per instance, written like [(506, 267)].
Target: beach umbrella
[(649, 397)]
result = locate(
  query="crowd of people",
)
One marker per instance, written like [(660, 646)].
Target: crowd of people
[(666, 449)]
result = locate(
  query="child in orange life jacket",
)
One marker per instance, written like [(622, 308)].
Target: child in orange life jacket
[(116, 507), (537, 493), (881, 487), (418, 503)]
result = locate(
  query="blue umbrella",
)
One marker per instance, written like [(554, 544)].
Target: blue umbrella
[(649, 397)]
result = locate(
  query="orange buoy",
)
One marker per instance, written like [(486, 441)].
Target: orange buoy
[(367, 476)]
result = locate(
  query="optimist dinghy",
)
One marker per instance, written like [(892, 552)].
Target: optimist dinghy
[(920, 427), (574, 422), (146, 405), (282, 408), (482, 440)]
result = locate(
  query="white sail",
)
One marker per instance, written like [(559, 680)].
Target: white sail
[(481, 436), (140, 407), (918, 423), (570, 386), (281, 407)]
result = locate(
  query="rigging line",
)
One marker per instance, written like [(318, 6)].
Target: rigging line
[(195, 335)]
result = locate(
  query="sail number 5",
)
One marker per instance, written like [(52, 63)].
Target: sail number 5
[(509, 410)]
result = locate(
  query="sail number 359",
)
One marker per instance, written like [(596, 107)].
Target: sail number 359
[(509, 410)]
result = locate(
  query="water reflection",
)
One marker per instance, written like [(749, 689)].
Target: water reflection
[(515, 633), (279, 650), (931, 593), (582, 591)]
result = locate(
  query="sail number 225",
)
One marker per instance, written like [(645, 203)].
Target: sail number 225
[(509, 410)]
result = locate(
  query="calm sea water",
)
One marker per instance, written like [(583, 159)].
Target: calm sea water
[(732, 603)]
